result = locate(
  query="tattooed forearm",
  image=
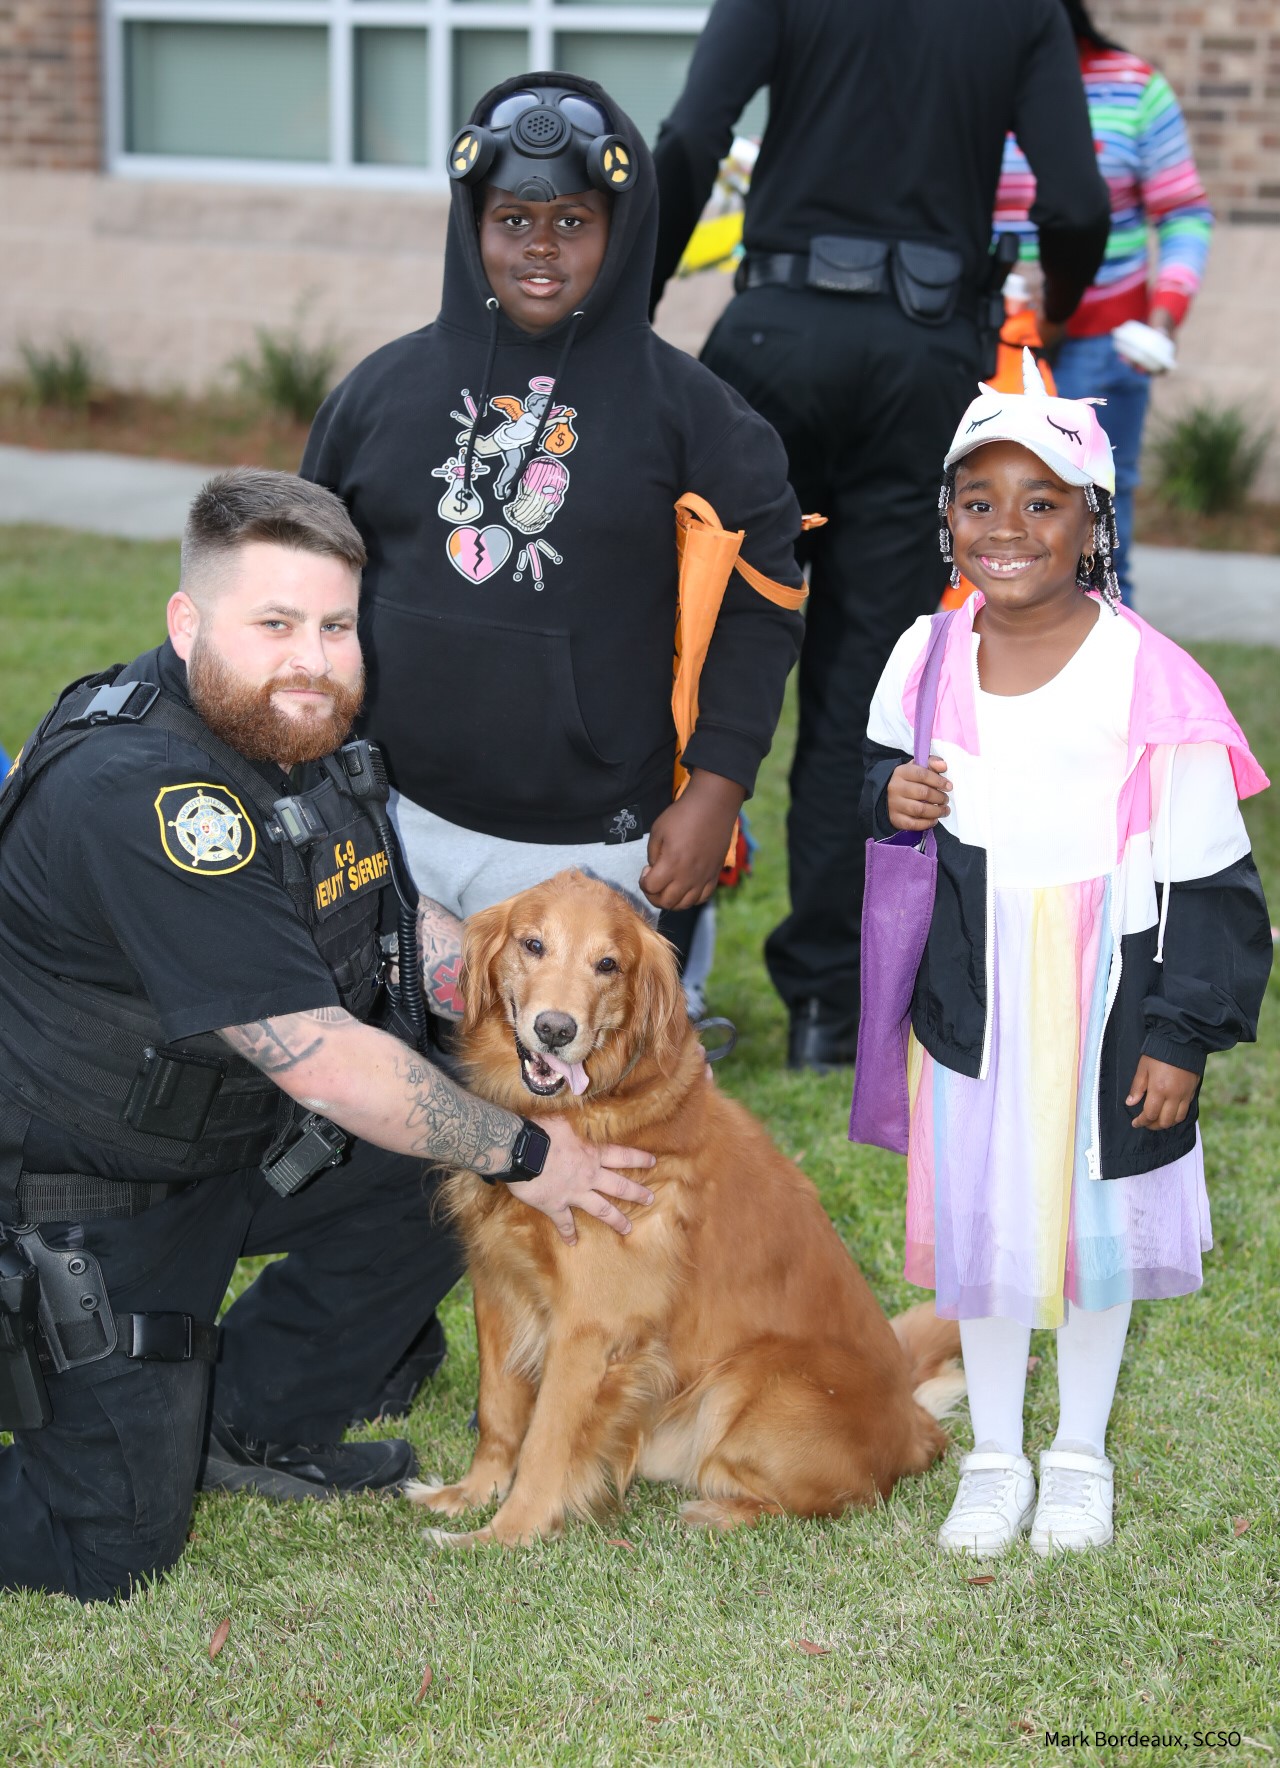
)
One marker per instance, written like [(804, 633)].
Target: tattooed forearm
[(277, 1045), (452, 1127), (440, 942), (376, 1088)]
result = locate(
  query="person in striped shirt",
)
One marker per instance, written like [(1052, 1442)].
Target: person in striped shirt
[(1145, 156)]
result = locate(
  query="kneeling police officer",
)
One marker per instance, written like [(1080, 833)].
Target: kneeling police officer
[(200, 898)]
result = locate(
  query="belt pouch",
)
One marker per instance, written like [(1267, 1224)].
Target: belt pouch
[(848, 266), (173, 1093), (927, 280)]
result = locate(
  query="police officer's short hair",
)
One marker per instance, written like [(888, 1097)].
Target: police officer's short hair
[(253, 503)]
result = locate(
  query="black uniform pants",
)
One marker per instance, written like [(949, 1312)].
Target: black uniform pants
[(866, 402), (102, 1496)]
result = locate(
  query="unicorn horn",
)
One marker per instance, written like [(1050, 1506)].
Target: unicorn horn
[(1032, 379)]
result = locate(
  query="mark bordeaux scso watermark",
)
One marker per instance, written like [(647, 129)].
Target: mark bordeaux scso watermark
[(1145, 1740)]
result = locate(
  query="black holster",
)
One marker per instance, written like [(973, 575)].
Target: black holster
[(24, 1398), (51, 1298)]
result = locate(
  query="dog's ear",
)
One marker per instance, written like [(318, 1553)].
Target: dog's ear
[(659, 1000), (483, 937)]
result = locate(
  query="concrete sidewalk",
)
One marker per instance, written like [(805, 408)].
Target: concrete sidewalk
[(119, 494), (1189, 595)]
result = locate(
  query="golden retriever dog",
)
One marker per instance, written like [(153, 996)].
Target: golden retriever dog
[(728, 1343)]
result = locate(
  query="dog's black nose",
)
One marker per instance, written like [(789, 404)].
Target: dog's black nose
[(555, 1030)]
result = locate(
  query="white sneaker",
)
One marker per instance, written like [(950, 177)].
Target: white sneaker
[(1076, 1496), (993, 1506)]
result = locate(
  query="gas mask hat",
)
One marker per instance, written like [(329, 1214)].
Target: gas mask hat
[(542, 143)]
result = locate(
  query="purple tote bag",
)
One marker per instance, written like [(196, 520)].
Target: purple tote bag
[(902, 875)]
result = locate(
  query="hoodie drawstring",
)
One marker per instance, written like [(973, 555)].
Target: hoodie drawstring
[(555, 381), (482, 404), (1167, 844)]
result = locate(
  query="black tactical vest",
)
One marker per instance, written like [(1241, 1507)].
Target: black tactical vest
[(79, 1056)]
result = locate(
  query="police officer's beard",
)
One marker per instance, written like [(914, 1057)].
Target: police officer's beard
[(242, 714)]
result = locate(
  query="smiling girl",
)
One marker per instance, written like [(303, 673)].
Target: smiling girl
[(1099, 927)]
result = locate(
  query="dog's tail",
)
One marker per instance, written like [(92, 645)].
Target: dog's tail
[(933, 1351)]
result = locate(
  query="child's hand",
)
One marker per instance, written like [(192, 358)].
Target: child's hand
[(688, 842), (917, 796), (1166, 1093)]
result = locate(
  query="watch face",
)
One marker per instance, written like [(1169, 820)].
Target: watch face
[(532, 1146)]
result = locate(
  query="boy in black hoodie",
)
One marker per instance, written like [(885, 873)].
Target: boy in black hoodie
[(512, 469)]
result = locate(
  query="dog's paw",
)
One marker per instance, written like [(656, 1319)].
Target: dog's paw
[(719, 1513), (701, 1513), (444, 1500), (444, 1542)]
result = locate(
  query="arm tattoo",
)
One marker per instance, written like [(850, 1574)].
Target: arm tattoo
[(453, 1127), (277, 1045), (440, 942)]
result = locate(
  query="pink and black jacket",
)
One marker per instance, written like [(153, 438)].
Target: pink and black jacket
[(1190, 960)]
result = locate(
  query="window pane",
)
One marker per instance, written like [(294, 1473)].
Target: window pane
[(252, 92), (644, 73), (391, 97), (480, 60)]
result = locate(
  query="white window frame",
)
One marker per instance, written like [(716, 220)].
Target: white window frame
[(542, 19)]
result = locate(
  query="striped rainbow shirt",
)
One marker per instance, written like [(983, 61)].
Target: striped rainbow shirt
[(1145, 156)]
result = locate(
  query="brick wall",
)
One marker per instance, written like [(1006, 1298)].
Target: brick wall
[(50, 103), (1222, 58)]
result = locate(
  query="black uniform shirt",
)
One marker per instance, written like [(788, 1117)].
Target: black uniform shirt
[(887, 119), (131, 865)]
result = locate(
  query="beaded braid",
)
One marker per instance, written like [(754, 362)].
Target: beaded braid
[(1096, 569)]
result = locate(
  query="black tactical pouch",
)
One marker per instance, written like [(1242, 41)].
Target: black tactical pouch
[(24, 1399), (173, 1093), (927, 280), (848, 266), (307, 1145)]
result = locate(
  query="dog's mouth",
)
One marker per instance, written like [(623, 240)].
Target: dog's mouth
[(546, 1075)]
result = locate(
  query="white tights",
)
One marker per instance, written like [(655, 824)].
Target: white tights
[(1090, 1346)]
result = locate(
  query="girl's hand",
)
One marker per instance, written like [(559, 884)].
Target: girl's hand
[(918, 795), (688, 842), (1166, 1093)]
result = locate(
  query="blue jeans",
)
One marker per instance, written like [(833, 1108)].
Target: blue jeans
[(1092, 368)]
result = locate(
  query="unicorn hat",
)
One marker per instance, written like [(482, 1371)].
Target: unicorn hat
[(1064, 433)]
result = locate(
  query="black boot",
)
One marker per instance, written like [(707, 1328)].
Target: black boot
[(821, 1039), (233, 1463), (416, 1367)]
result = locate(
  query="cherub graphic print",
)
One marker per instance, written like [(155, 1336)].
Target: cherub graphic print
[(517, 481)]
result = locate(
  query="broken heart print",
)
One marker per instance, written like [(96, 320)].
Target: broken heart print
[(529, 488), (479, 552)]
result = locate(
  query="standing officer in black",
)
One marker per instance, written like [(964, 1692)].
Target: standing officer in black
[(855, 332), (196, 874)]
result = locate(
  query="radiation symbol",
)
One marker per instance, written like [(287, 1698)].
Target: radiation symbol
[(465, 150), (204, 829), (617, 165)]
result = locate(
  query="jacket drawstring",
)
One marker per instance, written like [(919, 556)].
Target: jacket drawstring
[(1167, 844), (482, 404), (555, 381)]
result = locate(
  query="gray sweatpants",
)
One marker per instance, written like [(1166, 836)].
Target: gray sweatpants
[(465, 871)]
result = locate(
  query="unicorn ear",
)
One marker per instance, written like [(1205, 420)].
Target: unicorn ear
[(1032, 379)]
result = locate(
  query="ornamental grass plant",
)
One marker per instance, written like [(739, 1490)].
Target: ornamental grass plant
[(1208, 457)]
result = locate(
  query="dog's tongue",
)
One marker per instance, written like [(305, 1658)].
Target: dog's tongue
[(573, 1072)]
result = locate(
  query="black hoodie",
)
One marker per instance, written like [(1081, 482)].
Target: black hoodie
[(519, 642)]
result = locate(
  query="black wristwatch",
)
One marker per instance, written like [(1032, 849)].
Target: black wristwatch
[(528, 1154)]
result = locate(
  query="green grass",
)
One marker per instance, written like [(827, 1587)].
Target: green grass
[(679, 1649)]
